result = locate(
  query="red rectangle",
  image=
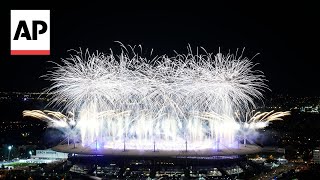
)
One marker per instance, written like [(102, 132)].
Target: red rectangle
[(30, 52)]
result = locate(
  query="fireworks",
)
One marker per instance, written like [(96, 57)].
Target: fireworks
[(257, 120), (260, 120), (157, 103), (54, 119)]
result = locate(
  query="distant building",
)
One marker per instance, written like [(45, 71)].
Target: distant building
[(271, 149), (281, 150), (50, 154), (316, 155), (310, 109)]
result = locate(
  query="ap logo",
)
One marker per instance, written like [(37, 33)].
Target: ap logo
[(30, 32)]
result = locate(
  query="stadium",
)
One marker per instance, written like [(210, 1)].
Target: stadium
[(187, 108), (78, 149)]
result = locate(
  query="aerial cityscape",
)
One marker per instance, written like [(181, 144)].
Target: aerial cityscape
[(146, 94)]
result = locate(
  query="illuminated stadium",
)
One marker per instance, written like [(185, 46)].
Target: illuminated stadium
[(129, 105)]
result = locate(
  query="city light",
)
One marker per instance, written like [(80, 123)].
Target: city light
[(9, 148)]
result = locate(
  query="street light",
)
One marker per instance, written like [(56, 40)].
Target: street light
[(30, 153), (9, 148)]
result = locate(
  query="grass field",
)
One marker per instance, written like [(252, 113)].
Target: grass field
[(21, 164)]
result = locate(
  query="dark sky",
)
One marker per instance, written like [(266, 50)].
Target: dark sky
[(285, 35)]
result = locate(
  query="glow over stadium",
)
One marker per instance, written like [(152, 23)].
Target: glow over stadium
[(131, 102)]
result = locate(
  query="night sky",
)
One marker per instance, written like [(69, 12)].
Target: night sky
[(286, 36)]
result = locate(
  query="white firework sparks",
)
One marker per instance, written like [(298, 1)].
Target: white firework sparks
[(54, 119), (257, 120), (166, 102), (260, 120)]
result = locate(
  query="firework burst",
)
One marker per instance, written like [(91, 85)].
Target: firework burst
[(164, 101)]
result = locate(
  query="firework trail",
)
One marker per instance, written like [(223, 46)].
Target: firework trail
[(54, 119), (258, 120)]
